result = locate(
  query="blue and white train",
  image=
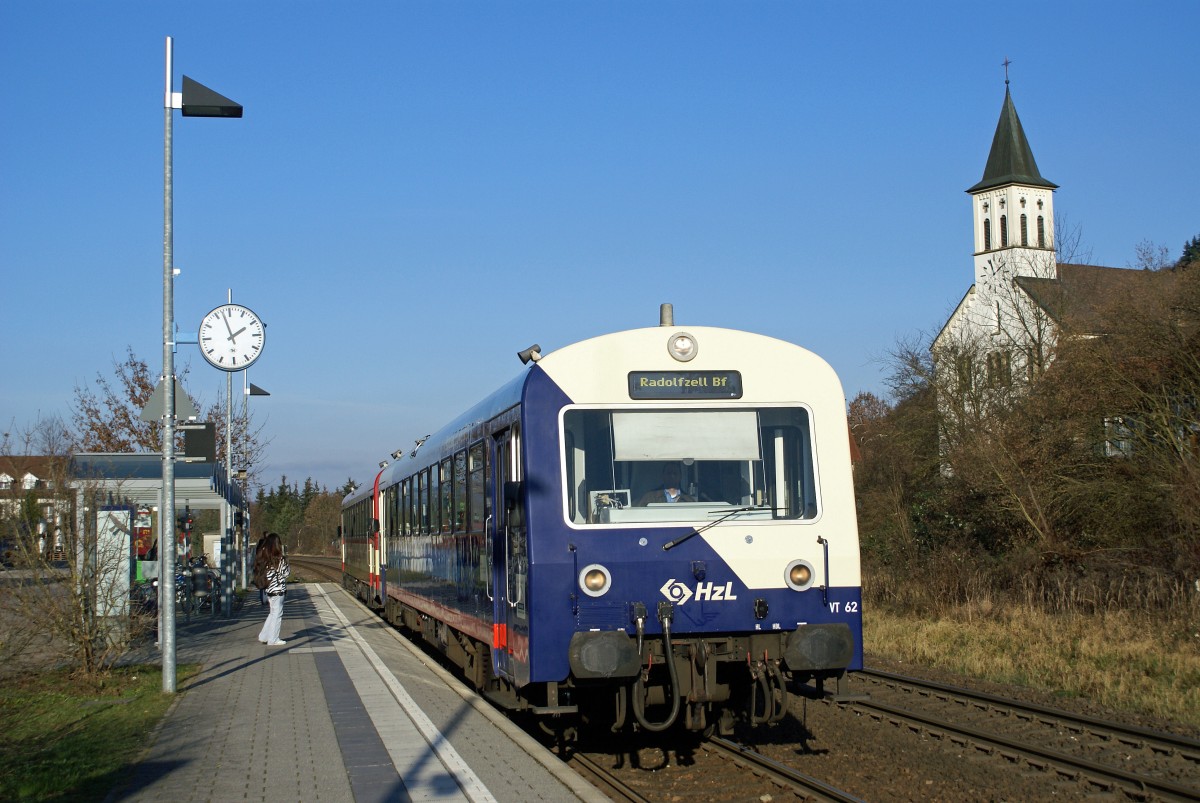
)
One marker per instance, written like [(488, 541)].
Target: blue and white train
[(647, 528)]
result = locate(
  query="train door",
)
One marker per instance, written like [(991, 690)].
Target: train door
[(375, 545), (511, 658)]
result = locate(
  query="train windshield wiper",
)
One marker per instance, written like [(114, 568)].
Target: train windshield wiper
[(713, 523)]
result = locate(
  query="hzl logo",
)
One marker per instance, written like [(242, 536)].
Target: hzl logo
[(678, 593)]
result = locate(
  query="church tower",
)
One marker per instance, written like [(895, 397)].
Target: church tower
[(1013, 209)]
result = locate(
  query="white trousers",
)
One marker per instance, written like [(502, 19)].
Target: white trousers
[(270, 628)]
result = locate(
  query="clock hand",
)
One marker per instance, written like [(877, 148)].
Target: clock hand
[(228, 328), (232, 335)]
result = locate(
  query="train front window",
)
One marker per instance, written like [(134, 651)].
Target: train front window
[(664, 465)]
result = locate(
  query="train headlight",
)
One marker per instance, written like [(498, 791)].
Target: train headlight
[(682, 346), (799, 575), (594, 580)]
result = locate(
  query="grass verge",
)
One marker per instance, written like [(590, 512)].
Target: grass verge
[(1123, 660), (62, 738)]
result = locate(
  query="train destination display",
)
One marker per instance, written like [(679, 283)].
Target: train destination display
[(685, 385)]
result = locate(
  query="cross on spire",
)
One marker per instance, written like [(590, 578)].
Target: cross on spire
[(1006, 63)]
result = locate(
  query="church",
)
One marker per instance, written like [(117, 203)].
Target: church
[(1004, 330)]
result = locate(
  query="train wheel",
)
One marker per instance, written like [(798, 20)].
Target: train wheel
[(565, 736)]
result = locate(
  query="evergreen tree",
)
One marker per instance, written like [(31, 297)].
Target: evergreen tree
[(1191, 252)]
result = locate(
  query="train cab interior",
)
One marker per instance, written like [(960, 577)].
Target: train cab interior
[(619, 462)]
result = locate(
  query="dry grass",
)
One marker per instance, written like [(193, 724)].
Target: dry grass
[(1127, 660)]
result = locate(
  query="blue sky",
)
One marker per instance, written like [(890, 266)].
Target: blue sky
[(419, 190)]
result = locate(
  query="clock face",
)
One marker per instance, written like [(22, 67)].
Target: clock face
[(232, 337)]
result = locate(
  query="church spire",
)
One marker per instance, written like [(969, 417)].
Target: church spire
[(1011, 159)]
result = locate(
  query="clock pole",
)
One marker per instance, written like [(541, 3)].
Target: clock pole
[(167, 543), (227, 562), (218, 338)]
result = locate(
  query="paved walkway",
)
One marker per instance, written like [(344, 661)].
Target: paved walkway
[(346, 711)]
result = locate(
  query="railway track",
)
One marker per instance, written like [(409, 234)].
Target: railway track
[(722, 752), (595, 773), (805, 786), (719, 770), (317, 567), (1097, 751), (1109, 756)]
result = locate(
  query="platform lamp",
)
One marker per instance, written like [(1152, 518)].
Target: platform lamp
[(248, 389), (195, 100)]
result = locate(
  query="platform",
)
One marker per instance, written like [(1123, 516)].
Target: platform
[(347, 710)]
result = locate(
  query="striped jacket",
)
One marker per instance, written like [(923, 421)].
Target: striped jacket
[(277, 577)]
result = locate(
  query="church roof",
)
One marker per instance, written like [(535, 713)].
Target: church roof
[(1011, 159), (1080, 294)]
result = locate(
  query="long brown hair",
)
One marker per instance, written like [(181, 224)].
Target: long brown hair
[(260, 554), (272, 549)]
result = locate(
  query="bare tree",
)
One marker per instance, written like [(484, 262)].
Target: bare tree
[(1146, 391), (68, 594), (248, 442), (1069, 246), (107, 419), (1150, 256)]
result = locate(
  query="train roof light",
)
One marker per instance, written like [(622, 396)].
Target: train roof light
[(682, 346)]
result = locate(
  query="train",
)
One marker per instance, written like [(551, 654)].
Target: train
[(644, 530)]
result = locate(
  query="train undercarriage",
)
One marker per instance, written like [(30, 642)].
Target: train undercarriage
[(618, 682)]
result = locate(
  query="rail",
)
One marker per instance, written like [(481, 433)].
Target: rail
[(1108, 776), (781, 774)]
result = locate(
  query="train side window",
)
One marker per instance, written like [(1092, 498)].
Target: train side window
[(476, 487), (411, 504), (423, 501), (389, 504), (405, 508), (577, 498), (447, 495), (435, 499), (460, 492)]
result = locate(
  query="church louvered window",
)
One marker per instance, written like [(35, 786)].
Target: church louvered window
[(987, 235), (1041, 232), (999, 369), (1004, 231), (1024, 230), (965, 368)]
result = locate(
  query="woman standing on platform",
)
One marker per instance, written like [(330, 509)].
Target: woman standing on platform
[(277, 575)]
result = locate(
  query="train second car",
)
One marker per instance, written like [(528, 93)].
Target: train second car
[(647, 528)]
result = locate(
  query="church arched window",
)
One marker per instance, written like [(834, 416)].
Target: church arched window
[(987, 235), (1004, 231), (1024, 230), (1041, 232)]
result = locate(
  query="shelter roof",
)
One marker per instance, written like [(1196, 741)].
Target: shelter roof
[(138, 478)]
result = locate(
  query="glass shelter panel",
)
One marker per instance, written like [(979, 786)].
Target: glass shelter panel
[(664, 465)]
